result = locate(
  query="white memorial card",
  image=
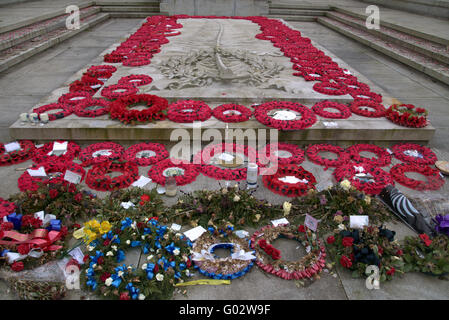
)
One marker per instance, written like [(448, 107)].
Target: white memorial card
[(141, 182), (13, 146), (358, 222), (194, 233), (279, 222), (72, 177), (40, 172)]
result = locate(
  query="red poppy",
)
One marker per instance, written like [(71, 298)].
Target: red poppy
[(347, 241), (345, 262), (425, 238)]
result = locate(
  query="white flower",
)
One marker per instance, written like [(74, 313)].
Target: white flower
[(224, 191), (144, 266), (341, 227), (90, 248), (159, 277), (179, 235), (158, 250), (345, 184), (287, 206), (94, 265), (128, 242), (143, 237), (150, 257), (187, 272), (130, 268), (120, 273), (141, 297), (176, 252), (236, 198), (134, 225), (114, 248), (109, 254), (108, 281)]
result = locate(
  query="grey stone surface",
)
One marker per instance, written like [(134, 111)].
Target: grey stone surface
[(217, 8)]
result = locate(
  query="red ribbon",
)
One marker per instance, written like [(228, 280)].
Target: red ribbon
[(39, 238)]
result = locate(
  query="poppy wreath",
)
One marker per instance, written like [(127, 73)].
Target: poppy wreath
[(308, 118), (414, 153), (383, 156), (156, 105), (137, 60), (91, 82), (269, 261), (232, 113), (55, 175), (26, 152), (203, 158), (364, 177), (79, 85), (330, 88), (314, 150), (6, 208), (434, 179), (297, 154), (407, 115), (166, 262), (156, 173), (43, 154), (81, 109), (136, 80), (113, 57), (111, 92), (186, 111), (311, 74), (354, 86), (102, 71), (159, 150), (100, 152), (306, 181), (319, 109), (66, 110), (366, 95), (379, 109), (73, 98), (229, 268), (97, 178)]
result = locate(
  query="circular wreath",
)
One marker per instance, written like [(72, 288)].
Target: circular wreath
[(204, 157), (308, 118), (383, 157), (44, 153), (319, 107), (55, 175), (97, 178), (82, 108), (100, 152), (137, 60), (185, 111), (116, 91), (300, 181), (232, 113), (414, 153), (6, 208), (73, 98), (379, 109), (26, 152), (269, 260), (101, 70), (330, 88), (364, 177), (234, 266), (294, 153), (146, 154), (66, 110), (183, 171), (366, 95), (119, 108), (166, 261), (434, 179), (314, 150), (407, 115), (136, 80)]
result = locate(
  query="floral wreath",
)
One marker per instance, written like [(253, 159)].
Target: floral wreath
[(167, 261), (296, 153), (314, 150), (81, 109), (111, 92), (308, 118), (185, 111), (269, 259), (203, 158), (6, 208), (383, 156), (407, 115), (136, 80), (306, 181), (232, 113), (319, 107), (73, 98), (330, 88), (43, 154), (379, 109), (188, 175), (364, 177), (57, 171), (234, 266), (414, 153), (97, 178), (159, 153), (367, 96), (119, 108), (100, 152), (26, 152), (66, 110), (434, 179), (101, 71)]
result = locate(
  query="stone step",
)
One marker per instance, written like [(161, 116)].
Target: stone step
[(296, 12), (135, 14), (429, 66), (433, 8), (129, 9), (13, 38), (127, 3), (426, 47), (293, 18), (23, 51), (299, 6)]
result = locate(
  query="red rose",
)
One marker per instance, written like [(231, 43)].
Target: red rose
[(330, 239), (23, 249), (106, 242), (124, 296), (345, 262), (391, 271), (17, 266), (6, 226), (78, 197), (104, 276), (156, 268), (53, 193), (36, 223), (141, 203), (347, 241), (269, 250), (262, 243), (100, 260), (86, 257), (276, 255), (301, 228), (76, 226), (145, 198), (399, 252), (425, 238), (140, 225)]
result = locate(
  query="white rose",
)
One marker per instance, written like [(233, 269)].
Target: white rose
[(134, 225), (108, 281), (345, 184), (144, 266), (150, 257), (109, 254), (141, 297), (341, 227), (128, 242), (159, 277), (114, 248), (94, 265), (90, 248), (236, 198), (143, 237), (176, 252), (120, 273), (287, 206)]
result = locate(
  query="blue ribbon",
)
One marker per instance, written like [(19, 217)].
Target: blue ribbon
[(126, 223), (120, 256), (16, 220), (55, 224), (135, 243), (171, 247)]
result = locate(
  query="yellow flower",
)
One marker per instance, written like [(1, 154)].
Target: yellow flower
[(105, 227), (257, 217), (93, 225), (345, 184), (367, 199), (287, 206), (90, 236)]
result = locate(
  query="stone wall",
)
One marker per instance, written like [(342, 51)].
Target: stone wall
[(215, 7)]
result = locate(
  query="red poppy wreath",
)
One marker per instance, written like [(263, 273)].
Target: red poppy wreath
[(414, 153), (89, 108), (282, 115), (45, 153), (136, 80), (25, 152), (146, 154), (232, 113), (407, 115), (100, 152), (65, 110), (73, 98), (97, 178), (154, 111), (6, 208), (186, 111), (366, 95), (377, 109), (330, 88), (116, 91), (434, 179), (285, 153), (319, 109), (290, 180), (314, 150), (383, 156), (184, 172), (101, 71)]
